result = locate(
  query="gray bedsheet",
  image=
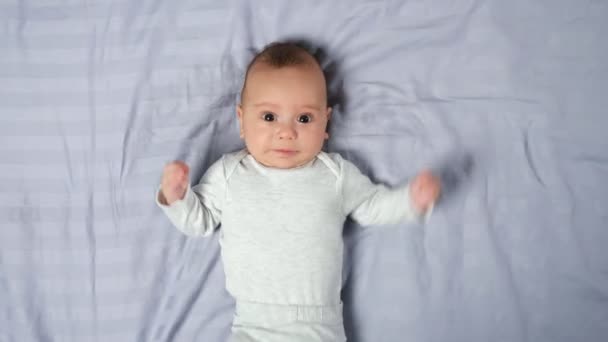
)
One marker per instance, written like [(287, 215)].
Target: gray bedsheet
[(506, 99)]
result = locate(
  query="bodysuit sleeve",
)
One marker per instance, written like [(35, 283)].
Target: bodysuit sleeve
[(373, 204), (200, 211)]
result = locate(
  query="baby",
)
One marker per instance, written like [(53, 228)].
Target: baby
[(282, 203)]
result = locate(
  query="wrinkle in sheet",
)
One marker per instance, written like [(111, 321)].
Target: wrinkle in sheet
[(91, 166), (529, 156)]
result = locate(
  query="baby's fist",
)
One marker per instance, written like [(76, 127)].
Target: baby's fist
[(424, 191), (174, 182)]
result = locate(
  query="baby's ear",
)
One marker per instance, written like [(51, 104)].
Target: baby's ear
[(239, 114), (328, 118), (239, 111)]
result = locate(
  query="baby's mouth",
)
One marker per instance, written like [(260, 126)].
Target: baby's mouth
[(285, 152)]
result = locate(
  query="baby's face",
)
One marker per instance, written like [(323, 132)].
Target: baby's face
[(284, 114)]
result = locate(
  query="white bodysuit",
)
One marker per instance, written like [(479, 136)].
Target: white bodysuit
[(281, 238)]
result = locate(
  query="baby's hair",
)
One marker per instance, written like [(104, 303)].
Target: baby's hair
[(282, 54)]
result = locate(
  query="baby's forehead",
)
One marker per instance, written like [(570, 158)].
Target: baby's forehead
[(300, 78), (263, 75)]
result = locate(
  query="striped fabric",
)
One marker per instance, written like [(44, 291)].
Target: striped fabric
[(94, 98), (505, 99)]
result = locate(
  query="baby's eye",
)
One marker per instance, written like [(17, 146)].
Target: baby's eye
[(268, 117), (304, 118)]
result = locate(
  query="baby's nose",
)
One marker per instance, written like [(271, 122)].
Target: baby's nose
[(287, 132)]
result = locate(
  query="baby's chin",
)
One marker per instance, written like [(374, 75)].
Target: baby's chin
[(291, 162)]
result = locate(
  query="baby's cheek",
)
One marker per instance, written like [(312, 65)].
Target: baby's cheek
[(255, 141), (317, 138)]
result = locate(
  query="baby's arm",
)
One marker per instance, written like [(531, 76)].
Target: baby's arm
[(194, 211), (373, 204)]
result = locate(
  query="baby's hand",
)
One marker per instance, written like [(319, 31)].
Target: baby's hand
[(424, 191), (174, 182)]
